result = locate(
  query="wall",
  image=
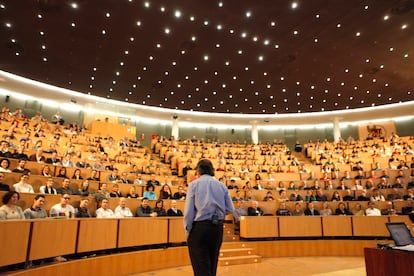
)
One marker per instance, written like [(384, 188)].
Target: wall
[(30, 107)]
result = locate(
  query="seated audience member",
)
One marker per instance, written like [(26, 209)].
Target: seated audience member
[(48, 188), (83, 163), (310, 210), (389, 209), (38, 156), (10, 209), (249, 196), (326, 210), (94, 176), (342, 185), (358, 210), (363, 196), (23, 186), (139, 180), (310, 196), (320, 196), (398, 184), (124, 178), (63, 209), (102, 192), (122, 211), (62, 172), (408, 196), (369, 184), (282, 196), (19, 153), (372, 210), (83, 211), (153, 181), (298, 211), (77, 174), (84, 189), (67, 161), (65, 188), (149, 193), (165, 192), (53, 159), (394, 195), (4, 149), (342, 210), (232, 185), (145, 210), (115, 191), (104, 211), (187, 168), (36, 211), (180, 194), (237, 196), (269, 196), (295, 196), (173, 211), (357, 186), (132, 193), (21, 167), (113, 176), (46, 171), (4, 165), (348, 195), (377, 196), (159, 208), (3, 186), (384, 184), (283, 210), (254, 209)]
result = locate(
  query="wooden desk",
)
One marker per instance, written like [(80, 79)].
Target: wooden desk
[(364, 226), (337, 226), (384, 262), (53, 237), (259, 227), (14, 241), (97, 234), (142, 231), (176, 233), (300, 226)]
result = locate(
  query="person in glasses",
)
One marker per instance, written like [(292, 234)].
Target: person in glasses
[(63, 209)]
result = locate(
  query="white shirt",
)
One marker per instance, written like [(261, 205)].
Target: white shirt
[(102, 213), (23, 188), (57, 210), (372, 212), (123, 212)]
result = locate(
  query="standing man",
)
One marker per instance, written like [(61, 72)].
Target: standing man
[(208, 202)]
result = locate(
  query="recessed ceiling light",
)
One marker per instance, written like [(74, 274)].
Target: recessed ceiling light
[(74, 5), (177, 14), (294, 5)]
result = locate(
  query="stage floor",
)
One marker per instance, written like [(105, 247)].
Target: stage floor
[(332, 266)]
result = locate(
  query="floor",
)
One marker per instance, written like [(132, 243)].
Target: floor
[(321, 266)]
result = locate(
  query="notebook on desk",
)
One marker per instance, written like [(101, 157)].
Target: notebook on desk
[(401, 236)]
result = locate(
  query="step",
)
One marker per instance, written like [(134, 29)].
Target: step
[(230, 238), (234, 245), (232, 252), (250, 259)]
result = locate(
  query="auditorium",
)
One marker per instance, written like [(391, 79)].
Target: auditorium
[(304, 108)]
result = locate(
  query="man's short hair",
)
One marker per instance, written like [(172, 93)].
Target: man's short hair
[(39, 196)]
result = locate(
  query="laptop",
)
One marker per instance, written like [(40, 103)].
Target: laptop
[(401, 236)]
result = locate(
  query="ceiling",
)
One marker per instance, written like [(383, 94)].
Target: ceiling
[(230, 56)]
